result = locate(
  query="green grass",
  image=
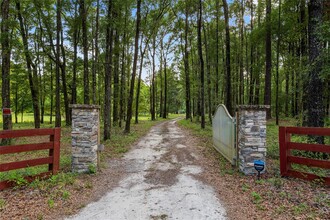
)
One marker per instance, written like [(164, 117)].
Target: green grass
[(257, 199), (28, 118), (196, 128)]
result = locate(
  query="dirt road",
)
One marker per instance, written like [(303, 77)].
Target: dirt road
[(160, 182)]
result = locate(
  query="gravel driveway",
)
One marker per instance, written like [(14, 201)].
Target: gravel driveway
[(161, 182)]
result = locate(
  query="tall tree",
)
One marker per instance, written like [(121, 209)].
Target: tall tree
[(57, 67), (76, 29), (96, 51), (268, 75), (108, 73), (186, 62), (136, 51), (153, 80), (208, 68), (5, 66), (123, 84), (241, 55), (217, 75), (201, 63), (251, 89), (228, 98), (278, 60), (315, 107), (31, 67), (83, 17)]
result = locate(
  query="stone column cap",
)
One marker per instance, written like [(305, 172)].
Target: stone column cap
[(84, 106), (252, 107)]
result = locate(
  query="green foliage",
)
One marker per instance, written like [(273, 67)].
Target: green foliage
[(121, 150), (257, 199), (2, 203), (17, 178), (65, 195), (298, 209), (196, 128), (323, 198), (245, 187), (60, 180), (92, 168), (272, 141), (276, 182), (51, 203)]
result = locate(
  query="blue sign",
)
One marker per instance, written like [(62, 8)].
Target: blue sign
[(259, 165)]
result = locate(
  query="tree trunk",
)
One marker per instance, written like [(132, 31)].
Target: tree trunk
[(16, 104), (252, 80), (165, 88), (217, 75), (108, 74), (228, 100), (268, 76), (153, 105), (123, 75), (278, 60), (74, 62), (116, 52), (57, 77), (51, 93), (186, 64), (96, 53), (83, 16), (5, 67), (136, 51), (161, 79), (315, 107), (287, 78), (201, 63), (241, 58), (208, 68)]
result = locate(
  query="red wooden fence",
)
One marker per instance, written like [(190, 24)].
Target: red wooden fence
[(286, 159), (53, 160)]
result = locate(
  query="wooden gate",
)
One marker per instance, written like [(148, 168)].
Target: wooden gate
[(286, 157), (53, 146)]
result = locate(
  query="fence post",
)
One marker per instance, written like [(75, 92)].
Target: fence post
[(284, 138), (51, 151), (56, 156)]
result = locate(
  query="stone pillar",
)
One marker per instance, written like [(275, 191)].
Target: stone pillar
[(85, 136), (251, 136)]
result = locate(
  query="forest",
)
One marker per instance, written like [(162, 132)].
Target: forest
[(155, 57)]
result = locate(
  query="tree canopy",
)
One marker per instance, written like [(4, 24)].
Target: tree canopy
[(155, 57)]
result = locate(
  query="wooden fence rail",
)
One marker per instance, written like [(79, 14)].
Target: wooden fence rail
[(53, 159), (286, 158)]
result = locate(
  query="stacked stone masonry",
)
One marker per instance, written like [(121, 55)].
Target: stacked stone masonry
[(251, 137), (85, 131)]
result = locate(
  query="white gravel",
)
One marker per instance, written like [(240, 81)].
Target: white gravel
[(185, 198)]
